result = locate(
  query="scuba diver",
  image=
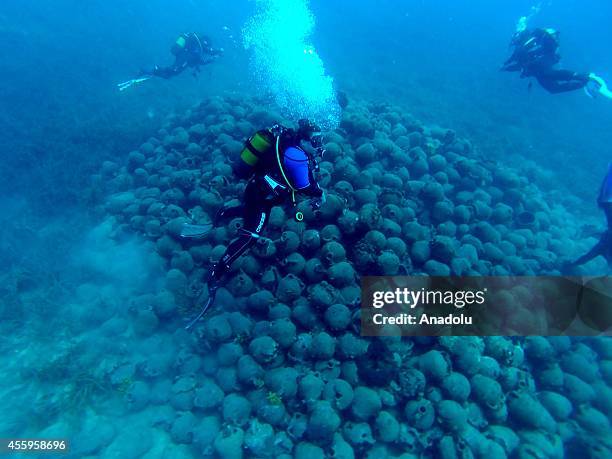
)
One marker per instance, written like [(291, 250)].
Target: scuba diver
[(190, 51), (604, 245), (277, 169), (536, 54)]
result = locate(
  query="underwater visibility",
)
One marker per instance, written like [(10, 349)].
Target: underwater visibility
[(199, 196)]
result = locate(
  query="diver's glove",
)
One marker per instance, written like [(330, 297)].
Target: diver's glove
[(316, 140), (318, 201)]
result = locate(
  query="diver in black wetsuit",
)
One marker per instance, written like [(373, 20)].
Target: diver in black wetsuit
[(604, 245), (277, 169), (190, 50), (535, 55)]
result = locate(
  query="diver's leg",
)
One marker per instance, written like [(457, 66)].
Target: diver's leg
[(608, 212), (598, 249), (567, 75), (250, 234), (571, 81), (601, 248), (173, 70), (558, 81), (230, 212), (548, 83), (513, 67), (164, 72), (557, 87), (257, 209), (236, 248), (571, 85)]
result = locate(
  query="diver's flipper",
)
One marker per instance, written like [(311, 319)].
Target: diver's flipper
[(600, 86), (126, 84), (207, 305), (196, 231)]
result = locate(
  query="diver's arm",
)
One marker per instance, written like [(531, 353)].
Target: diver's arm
[(207, 55), (512, 59), (513, 63), (314, 191), (215, 52), (511, 67), (207, 60)]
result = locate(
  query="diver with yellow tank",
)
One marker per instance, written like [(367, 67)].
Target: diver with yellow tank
[(190, 50), (277, 169)]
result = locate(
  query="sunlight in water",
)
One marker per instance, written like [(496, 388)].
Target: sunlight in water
[(286, 64)]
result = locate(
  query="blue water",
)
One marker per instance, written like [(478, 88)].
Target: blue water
[(88, 353)]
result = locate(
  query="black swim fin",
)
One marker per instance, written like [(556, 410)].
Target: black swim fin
[(207, 305), (196, 231), (129, 83)]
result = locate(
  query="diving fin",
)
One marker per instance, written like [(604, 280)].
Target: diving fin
[(196, 231), (207, 305), (601, 87), (126, 84)]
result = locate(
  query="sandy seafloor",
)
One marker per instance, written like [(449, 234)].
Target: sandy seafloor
[(96, 286)]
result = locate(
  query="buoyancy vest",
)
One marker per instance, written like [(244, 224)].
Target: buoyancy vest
[(288, 165)]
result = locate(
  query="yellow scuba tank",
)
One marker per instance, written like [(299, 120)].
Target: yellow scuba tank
[(181, 41), (179, 45), (258, 145)]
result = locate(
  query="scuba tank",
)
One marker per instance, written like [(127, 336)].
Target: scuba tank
[(257, 147), (179, 44), (258, 150), (264, 149), (188, 42), (181, 41)]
